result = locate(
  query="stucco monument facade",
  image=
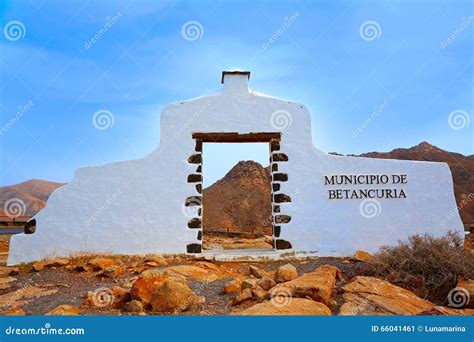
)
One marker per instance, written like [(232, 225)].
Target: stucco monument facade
[(323, 204)]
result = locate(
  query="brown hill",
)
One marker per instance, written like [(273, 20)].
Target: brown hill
[(239, 202), (34, 193), (462, 169)]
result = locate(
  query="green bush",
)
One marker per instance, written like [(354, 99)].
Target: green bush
[(426, 265)]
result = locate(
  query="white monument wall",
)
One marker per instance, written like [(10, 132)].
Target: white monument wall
[(136, 206)]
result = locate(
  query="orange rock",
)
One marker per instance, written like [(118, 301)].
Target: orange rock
[(235, 285), (266, 283), (38, 266), (101, 263), (5, 271), (286, 273), (148, 283), (104, 297), (134, 306), (373, 296), (248, 283), (468, 286), (259, 294), (64, 310), (362, 256), (442, 311), (56, 262), (5, 282), (207, 265), (257, 272), (14, 271), (243, 296), (157, 259), (281, 306), (173, 297), (186, 270), (114, 271), (152, 263), (14, 311), (317, 285)]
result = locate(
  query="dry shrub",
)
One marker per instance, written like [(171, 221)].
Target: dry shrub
[(426, 265)]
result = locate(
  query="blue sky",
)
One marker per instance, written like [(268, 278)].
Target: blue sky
[(365, 92)]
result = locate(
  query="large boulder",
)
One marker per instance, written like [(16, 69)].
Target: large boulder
[(317, 285), (174, 297), (286, 273), (287, 307), (373, 296), (149, 282)]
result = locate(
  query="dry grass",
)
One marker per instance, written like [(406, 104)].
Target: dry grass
[(426, 265)]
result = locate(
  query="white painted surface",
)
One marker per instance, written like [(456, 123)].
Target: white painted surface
[(136, 206)]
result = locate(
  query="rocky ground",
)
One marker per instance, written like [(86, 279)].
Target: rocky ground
[(227, 243), (181, 285)]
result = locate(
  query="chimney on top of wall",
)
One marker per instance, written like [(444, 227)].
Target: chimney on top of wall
[(235, 80)]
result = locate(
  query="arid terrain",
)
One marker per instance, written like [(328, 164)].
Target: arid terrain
[(157, 285)]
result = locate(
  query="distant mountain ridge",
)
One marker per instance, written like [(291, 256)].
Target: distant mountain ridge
[(33, 193), (462, 169)]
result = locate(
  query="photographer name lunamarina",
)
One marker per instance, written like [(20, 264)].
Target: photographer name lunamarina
[(368, 179)]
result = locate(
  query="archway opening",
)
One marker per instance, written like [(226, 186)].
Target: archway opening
[(278, 199), (236, 196)]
